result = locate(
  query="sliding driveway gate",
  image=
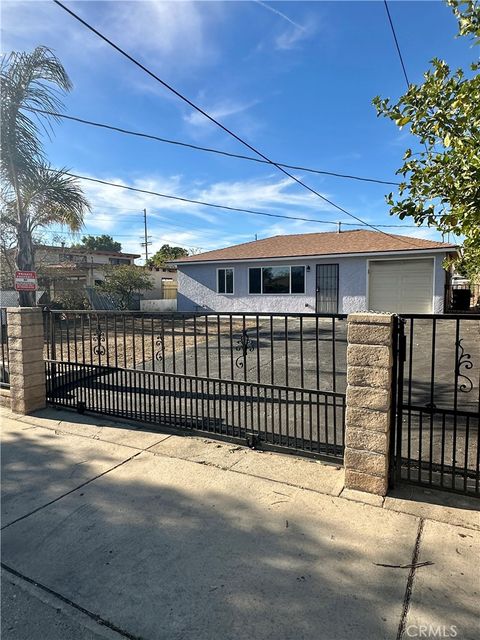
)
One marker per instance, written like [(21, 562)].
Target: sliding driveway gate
[(270, 380), (438, 402)]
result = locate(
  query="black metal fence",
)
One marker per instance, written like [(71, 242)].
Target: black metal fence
[(307, 421), (439, 402), (4, 360), (276, 378), (300, 350)]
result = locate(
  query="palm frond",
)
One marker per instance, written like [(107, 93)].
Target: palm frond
[(52, 197), (29, 80)]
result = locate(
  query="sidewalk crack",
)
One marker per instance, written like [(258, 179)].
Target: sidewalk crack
[(80, 486), (411, 577), (94, 616)]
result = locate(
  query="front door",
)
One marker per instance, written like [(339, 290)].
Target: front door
[(327, 288)]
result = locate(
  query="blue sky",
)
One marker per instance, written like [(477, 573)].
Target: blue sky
[(295, 79)]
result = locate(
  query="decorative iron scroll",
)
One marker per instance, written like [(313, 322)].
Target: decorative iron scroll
[(245, 344), (158, 348), (99, 348), (465, 361)]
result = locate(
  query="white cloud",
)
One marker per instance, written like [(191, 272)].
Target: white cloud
[(174, 35), (268, 194), (291, 38), (269, 7), (26, 24), (178, 33), (296, 32), (119, 212), (219, 111), (125, 201)]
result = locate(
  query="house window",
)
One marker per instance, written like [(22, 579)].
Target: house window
[(276, 280), (225, 281), (297, 279), (119, 261), (255, 281)]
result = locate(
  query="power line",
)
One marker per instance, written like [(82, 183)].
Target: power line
[(192, 201), (399, 51), (161, 221), (87, 233), (105, 206), (219, 206), (216, 122), (114, 235), (396, 43), (149, 136)]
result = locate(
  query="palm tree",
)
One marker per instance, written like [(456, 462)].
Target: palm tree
[(34, 194), (48, 196)]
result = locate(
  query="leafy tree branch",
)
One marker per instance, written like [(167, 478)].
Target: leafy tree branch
[(441, 182)]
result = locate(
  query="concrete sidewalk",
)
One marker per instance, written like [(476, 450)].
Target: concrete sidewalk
[(112, 531)]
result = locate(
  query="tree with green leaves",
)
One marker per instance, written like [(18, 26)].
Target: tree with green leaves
[(33, 194), (123, 282), (70, 299), (165, 254), (441, 179), (99, 243)]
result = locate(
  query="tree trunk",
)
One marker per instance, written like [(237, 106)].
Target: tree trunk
[(24, 257)]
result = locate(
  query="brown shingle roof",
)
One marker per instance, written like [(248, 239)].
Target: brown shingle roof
[(318, 244)]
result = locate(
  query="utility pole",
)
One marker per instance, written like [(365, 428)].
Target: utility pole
[(145, 242)]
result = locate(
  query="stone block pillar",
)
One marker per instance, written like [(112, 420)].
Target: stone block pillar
[(369, 391), (27, 368)]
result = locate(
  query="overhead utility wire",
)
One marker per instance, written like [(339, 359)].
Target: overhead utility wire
[(214, 205), (149, 136), (219, 124), (191, 201), (396, 43), (162, 222), (399, 51), (158, 221), (112, 235)]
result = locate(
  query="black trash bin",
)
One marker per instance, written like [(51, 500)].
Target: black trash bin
[(461, 299)]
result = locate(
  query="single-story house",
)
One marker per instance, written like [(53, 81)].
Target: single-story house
[(339, 272)]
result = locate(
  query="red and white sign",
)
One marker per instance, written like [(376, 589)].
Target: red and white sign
[(26, 280)]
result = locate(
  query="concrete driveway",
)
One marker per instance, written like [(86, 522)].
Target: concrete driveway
[(111, 531)]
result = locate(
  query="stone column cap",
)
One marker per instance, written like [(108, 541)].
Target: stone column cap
[(24, 309), (370, 317)]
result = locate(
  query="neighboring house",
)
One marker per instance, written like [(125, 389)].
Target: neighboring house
[(63, 268), (66, 268), (340, 272)]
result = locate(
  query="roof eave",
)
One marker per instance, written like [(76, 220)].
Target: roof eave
[(446, 249)]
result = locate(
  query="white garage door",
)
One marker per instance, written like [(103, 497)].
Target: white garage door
[(401, 286)]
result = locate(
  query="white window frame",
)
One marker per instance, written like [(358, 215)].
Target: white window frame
[(289, 266), (232, 269)]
